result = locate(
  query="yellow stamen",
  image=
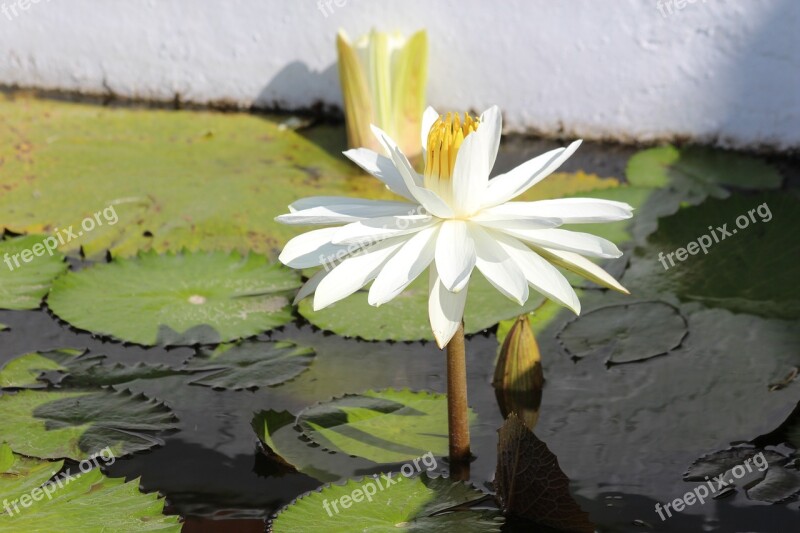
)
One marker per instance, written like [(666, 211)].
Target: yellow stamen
[(444, 140)]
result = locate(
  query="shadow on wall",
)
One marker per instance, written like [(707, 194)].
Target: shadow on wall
[(750, 77), (302, 85)]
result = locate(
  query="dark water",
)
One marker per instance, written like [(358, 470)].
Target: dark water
[(623, 434)]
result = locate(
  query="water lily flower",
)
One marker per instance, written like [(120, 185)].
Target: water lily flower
[(383, 78), (452, 219)]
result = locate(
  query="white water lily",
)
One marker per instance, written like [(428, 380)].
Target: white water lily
[(453, 219)]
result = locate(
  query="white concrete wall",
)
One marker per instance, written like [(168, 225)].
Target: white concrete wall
[(725, 72)]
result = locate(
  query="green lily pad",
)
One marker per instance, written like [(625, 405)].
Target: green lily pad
[(419, 504), (383, 426), (749, 270), (698, 172), (171, 300), (24, 284), (287, 445), (406, 317), (250, 364), (74, 368), (197, 180), (76, 424), (81, 501), (625, 333)]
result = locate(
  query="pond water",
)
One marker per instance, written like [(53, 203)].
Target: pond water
[(624, 434)]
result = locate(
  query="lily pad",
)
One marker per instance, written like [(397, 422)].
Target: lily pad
[(761, 473), (625, 333), (76, 424), (698, 172), (250, 364), (171, 300), (24, 284), (531, 484), (287, 445), (409, 504), (81, 502), (74, 368), (751, 269), (197, 180), (406, 317), (382, 426)]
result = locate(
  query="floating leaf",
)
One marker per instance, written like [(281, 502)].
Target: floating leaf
[(83, 502), (383, 426), (530, 484), (76, 424), (24, 371), (199, 180), (760, 472), (24, 284), (698, 171), (518, 377), (287, 445), (406, 317), (74, 368), (751, 270), (250, 364), (184, 299), (625, 333), (419, 504)]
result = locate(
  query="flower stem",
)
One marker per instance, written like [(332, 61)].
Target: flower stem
[(457, 416)]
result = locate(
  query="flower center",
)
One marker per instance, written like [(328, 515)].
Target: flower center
[(444, 139)]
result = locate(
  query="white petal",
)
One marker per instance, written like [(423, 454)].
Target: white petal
[(571, 241), (353, 273), (428, 199), (498, 267), (569, 210), (382, 168), (516, 181), (428, 118), (404, 266), (373, 230), (445, 309), (491, 219), (581, 266), (540, 274), (310, 286), (455, 254), (474, 162), (311, 249), (340, 210), (391, 149)]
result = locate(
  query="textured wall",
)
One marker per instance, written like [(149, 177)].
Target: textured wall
[(716, 71)]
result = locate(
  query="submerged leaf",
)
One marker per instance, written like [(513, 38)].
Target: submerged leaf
[(74, 368), (530, 484), (184, 299), (418, 504), (625, 333), (250, 364), (383, 426), (81, 502), (23, 283), (76, 424)]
